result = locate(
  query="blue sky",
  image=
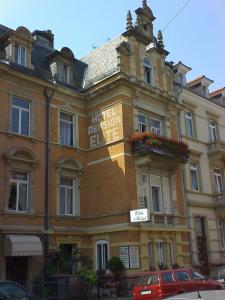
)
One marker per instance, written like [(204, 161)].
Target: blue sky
[(196, 36)]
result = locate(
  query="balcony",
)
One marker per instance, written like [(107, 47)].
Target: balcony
[(216, 150), (147, 143), (162, 220)]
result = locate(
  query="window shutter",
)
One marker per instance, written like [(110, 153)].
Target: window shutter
[(166, 195)]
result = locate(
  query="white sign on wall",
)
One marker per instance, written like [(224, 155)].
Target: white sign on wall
[(139, 215)]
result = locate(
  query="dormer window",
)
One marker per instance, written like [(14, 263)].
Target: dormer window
[(20, 55), (148, 71)]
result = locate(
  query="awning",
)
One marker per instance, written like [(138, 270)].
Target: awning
[(22, 245)]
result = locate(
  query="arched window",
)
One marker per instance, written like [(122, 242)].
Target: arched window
[(69, 171), (148, 71), (21, 162)]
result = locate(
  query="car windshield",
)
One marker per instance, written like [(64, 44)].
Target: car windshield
[(148, 280)]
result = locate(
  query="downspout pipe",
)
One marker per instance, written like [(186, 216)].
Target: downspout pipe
[(184, 181), (48, 94)]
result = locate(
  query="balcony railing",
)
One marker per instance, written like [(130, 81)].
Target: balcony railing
[(162, 220), (219, 199), (217, 149), (150, 143)]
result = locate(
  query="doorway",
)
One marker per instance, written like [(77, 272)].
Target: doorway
[(202, 244), (16, 269)]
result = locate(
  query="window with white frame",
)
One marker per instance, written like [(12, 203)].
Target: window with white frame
[(156, 196), (67, 129), (18, 191), (194, 176), (148, 71), (212, 131), (155, 126), (148, 123), (189, 124), (20, 55), (142, 122), (156, 193), (20, 116), (161, 253), (222, 233), (67, 191), (218, 180), (102, 255)]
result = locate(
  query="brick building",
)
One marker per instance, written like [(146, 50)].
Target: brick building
[(73, 165)]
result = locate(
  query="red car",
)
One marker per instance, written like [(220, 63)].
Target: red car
[(160, 284)]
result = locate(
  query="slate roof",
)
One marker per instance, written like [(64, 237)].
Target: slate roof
[(101, 62), (41, 65)]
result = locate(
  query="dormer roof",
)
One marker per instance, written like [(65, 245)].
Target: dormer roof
[(203, 80), (217, 93), (182, 68)]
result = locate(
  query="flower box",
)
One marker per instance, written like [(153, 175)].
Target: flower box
[(148, 142)]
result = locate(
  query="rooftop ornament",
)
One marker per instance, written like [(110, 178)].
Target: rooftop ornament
[(148, 142)]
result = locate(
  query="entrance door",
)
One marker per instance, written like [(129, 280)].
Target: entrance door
[(201, 244), (16, 268)]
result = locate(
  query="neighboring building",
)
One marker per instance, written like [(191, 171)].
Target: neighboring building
[(69, 176), (202, 127)]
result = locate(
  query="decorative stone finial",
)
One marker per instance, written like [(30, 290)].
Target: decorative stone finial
[(160, 39), (144, 4), (129, 21)]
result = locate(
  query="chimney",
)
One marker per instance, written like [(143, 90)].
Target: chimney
[(45, 38)]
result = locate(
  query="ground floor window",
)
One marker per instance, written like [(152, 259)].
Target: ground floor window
[(222, 232), (102, 255), (129, 255), (161, 252)]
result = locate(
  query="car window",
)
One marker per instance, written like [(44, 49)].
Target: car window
[(167, 277), (13, 291), (222, 272), (182, 276), (195, 275), (150, 279)]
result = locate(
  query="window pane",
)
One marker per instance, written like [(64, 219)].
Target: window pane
[(25, 122), (12, 196), (156, 198), (22, 205), (66, 117), (99, 257), (15, 120), (188, 124), (66, 133), (70, 201), (66, 181), (19, 176), (194, 180), (21, 103), (17, 54), (23, 56), (62, 200)]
